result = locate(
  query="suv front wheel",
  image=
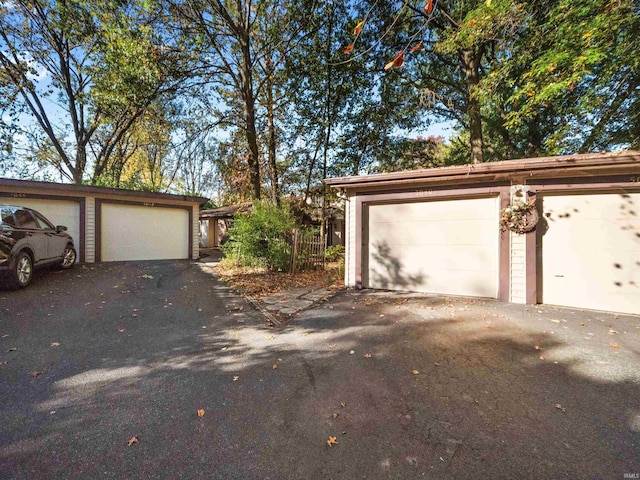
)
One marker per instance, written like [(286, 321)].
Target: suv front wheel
[(22, 270), (69, 257)]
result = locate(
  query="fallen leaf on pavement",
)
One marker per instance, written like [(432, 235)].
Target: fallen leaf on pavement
[(275, 366), (415, 372), (612, 331), (352, 352), (121, 330), (343, 404), (132, 441), (55, 344), (201, 412), (560, 407), (236, 378), (537, 347), (367, 355), (34, 373), (335, 415), (12, 349), (614, 345), (332, 441)]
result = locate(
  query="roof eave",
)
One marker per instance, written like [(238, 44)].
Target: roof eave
[(528, 166)]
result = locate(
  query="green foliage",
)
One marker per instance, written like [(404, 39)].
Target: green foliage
[(334, 253), (261, 238)]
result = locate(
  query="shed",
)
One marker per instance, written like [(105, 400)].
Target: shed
[(438, 231), (214, 222), (110, 224)]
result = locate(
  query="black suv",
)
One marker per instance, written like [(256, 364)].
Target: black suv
[(27, 241)]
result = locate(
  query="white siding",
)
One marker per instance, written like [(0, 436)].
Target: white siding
[(195, 245), (90, 230), (350, 242), (518, 268)]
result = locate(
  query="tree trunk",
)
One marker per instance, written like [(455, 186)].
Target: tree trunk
[(327, 126), (273, 167), (471, 68), (249, 100)]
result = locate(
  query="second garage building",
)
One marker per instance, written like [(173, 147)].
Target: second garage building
[(109, 224), (439, 231)]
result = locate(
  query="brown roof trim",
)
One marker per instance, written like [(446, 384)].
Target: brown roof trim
[(226, 211), (628, 158), (90, 189)]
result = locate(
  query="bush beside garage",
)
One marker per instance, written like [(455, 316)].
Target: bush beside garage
[(109, 224)]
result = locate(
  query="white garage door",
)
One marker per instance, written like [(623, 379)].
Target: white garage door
[(132, 232), (591, 252), (448, 247), (59, 212)]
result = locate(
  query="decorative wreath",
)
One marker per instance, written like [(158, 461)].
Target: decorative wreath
[(520, 216)]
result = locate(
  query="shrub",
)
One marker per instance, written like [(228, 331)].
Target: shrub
[(334, 253), (261, 237)]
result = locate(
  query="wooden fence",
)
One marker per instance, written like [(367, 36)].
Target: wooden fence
[(307, 252)]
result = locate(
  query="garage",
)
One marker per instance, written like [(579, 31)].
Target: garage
[(445, 246), (111, 224), (590, 251), (561, 230), (143, 232)]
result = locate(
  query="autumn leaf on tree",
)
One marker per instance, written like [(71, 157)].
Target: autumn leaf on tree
[(349, 49), (416, 47), (201, 412), (133, 440), (428, 7), (332, 441), (397, 61), (358, 29)]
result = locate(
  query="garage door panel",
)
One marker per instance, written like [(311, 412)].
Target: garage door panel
[(58, 212), (446, 232), (439, 247), (591, 252), (433, 211), (134, 232)]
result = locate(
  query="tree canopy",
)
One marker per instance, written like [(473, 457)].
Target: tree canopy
[(248, 98)]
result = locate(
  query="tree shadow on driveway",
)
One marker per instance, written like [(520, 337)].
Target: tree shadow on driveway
[(482, 402)]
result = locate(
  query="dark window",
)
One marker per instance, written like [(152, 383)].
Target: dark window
[(7, 216), (25, 220), (42, 222)]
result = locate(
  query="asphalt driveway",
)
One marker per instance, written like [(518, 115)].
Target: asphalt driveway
[(409, 386)]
